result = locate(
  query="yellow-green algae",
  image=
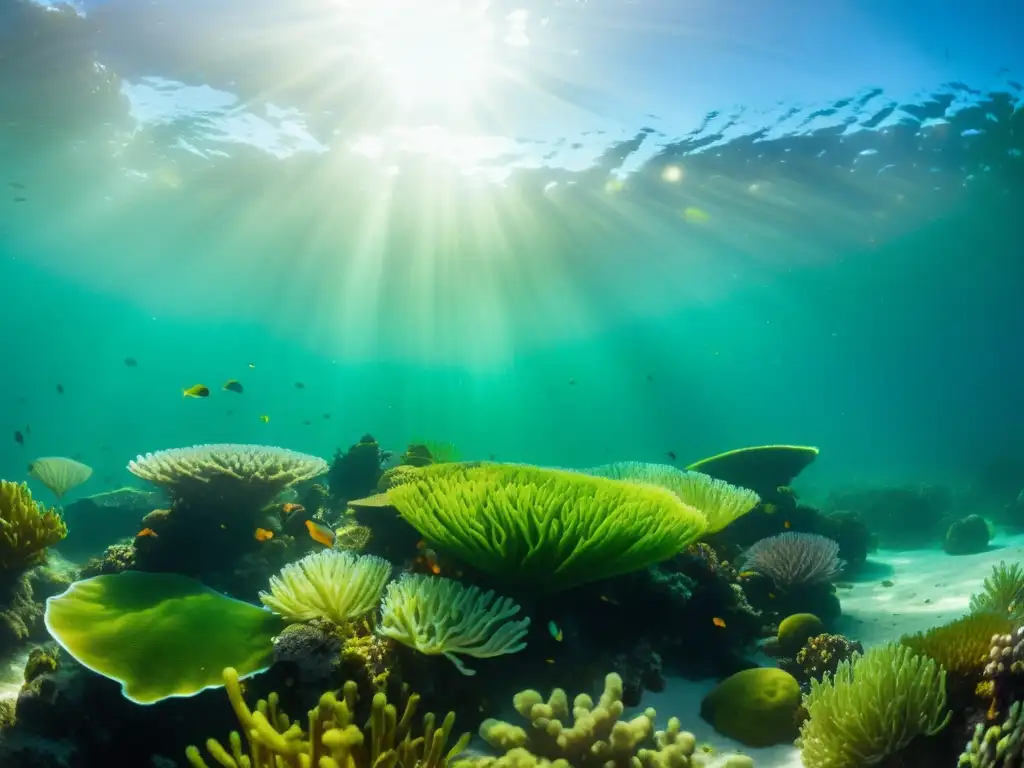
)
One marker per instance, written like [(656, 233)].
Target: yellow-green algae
[(544, 529), (160, 635)]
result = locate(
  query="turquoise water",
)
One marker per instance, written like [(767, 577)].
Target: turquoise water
[(604, 251)]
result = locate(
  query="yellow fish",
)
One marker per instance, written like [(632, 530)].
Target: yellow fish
[(262, 534), (555, 630), (196, 390), (265, 419), (321, 534)]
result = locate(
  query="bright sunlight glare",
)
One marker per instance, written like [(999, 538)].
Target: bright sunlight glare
[(430, 52)]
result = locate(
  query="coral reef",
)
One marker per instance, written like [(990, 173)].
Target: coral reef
[(95, 521), (903, 517), (583, 735), (757, 707), (26, 529), (997, 741), (116, 558), (330, 584), (1002, 592), (219, 501), (545, 530), (22, 598), (796, 630), (872, 708), (118, 625), (763, 469), (800, 567), (333, 739), (821, 655), (356, 472), (441, 617)]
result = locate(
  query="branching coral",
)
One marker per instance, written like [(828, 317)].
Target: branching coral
[(252, 474), (545, 529), (1002, 592), (26, 528), (443, 617), (792, 559), (333, 740), (583, 735), (330, 584), (872, 708), (962, 646)]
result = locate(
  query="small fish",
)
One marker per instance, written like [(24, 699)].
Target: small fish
[(18, 437), (787, 525), (650, 379), (306, 422), (265, 419), (720, 623), (299, 385), (233, 386), (262, 534), (20, 199), (549, 661), (196, 390), (327, 416), (291, 507), (252, 365), (671, 455), (321, 534), (771, 595), (572, 382), (131, 362), (146, 532), (747, 574), (555, 631), (15, 184), (609, 600), (60, 389)]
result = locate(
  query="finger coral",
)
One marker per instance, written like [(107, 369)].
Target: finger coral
[(583, 735), (443, 617), (333, 740), (26, 528), (872, 708), (545, 530), (251, 474), (330, 584)]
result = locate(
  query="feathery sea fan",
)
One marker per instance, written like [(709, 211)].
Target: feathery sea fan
[(792, 559)]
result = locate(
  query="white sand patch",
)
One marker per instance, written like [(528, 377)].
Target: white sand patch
[(928, 588)]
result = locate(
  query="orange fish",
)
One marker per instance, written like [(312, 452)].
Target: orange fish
[(787, 525), (321, 534), (262, 534), (292, 507), (720, 623), (147, 532)]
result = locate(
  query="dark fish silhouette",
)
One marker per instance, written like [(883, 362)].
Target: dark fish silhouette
[(650, 379), (307, 422), (233, 386), (21, 199), (131, 362), (18, 437), (299, 385), (60, 389), (327, 415), (572, 382), (671, 455), (15, 184)]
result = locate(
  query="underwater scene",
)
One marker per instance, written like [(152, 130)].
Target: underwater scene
[(511, 383)]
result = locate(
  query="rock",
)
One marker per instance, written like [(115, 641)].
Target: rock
[(97, 521), (967, 536)]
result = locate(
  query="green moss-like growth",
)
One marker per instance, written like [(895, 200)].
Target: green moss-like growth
[(41, 661), (26, 528), (333, 739), (160, 635), (416, 455), (796, 630), (872, 708), (756, 707), (762, 468), (1002, 592), (545, 530)]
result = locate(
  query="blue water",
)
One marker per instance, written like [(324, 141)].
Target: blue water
[(659, 226)]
